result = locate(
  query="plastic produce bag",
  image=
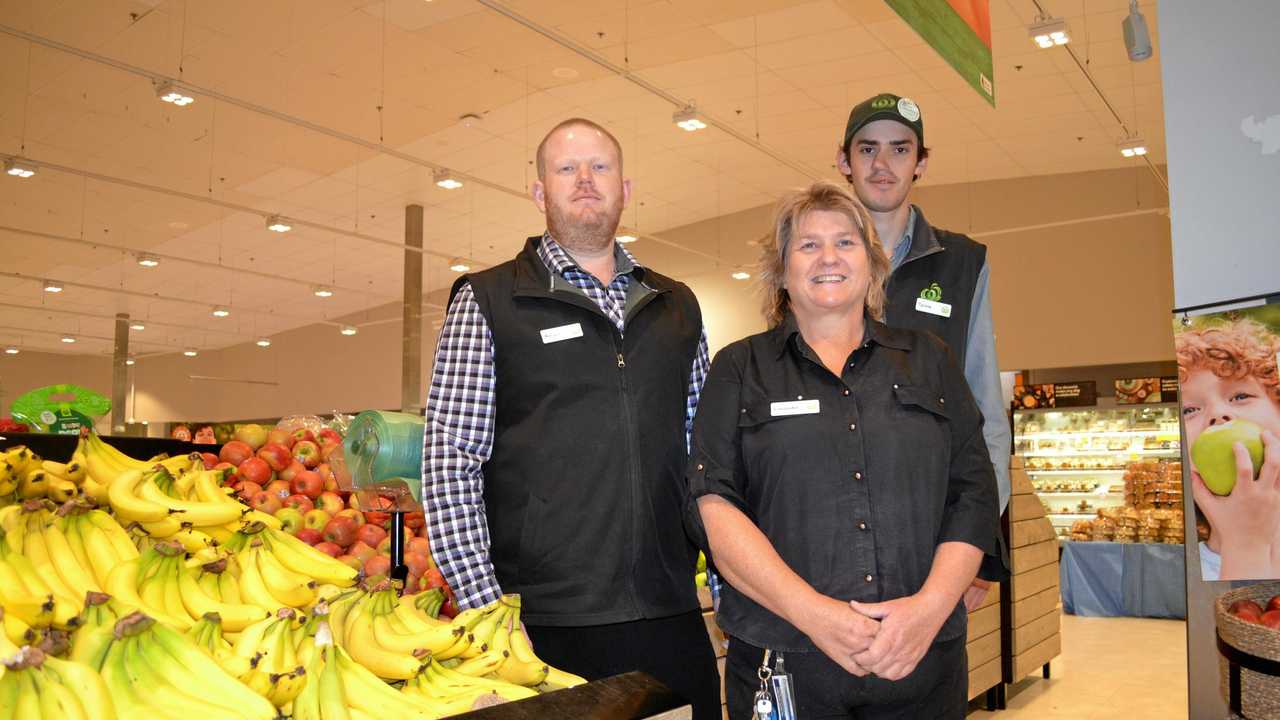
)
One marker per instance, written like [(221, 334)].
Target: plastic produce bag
[(60, 409)]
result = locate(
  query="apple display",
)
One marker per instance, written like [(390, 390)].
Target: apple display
[(307, 453), (235, 452), (277, 456), (252, 434)]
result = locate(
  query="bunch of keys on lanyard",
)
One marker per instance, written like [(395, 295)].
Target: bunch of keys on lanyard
[(774, 699)]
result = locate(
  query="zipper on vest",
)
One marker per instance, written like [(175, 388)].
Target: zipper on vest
[(621, 361), (631, 449)]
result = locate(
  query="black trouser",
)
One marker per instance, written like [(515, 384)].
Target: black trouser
[(675, 650), (937, 688)]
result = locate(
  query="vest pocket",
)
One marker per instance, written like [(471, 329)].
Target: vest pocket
[(532, 534)]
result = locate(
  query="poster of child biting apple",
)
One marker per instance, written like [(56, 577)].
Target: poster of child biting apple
[(1229, 392)]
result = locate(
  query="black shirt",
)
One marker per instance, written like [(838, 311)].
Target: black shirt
[(854, 479)]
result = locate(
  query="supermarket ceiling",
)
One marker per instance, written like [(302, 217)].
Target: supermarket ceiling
[(335, 114)]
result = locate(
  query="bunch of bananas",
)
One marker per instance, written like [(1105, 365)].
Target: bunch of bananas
[(37, 686), (22, 473), (447, 688), (275, 569), (96, 624), (265, 657), (96, 540), (41, 580), (155, 673)]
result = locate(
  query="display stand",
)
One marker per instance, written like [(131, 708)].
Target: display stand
[(1237, 659), (631, 696), (60, 447), (1032, 619)]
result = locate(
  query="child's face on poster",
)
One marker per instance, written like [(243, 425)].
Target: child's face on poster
[(1209, 400)]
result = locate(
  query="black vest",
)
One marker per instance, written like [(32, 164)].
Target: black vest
[(584, 489), (941, 266)]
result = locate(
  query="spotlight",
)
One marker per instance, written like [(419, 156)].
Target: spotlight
[(264, 342), (221, 311), (686, 119), (624, 239), (19, 168), (741, 275), (191, 352), (1137, 39), (322, 291), (68, 339), (11, 350), (349, 330), (52, 287), (445, 179), (275, 223), (129, 360), (459, 265), (148, 261), (137, 325), (170, 93), (1049, 31), (1133, 147)]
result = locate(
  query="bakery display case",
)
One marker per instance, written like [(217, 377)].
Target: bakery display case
[(1087, 460)]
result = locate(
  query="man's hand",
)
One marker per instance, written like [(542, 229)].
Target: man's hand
[(839, 632), (976, 593), (908, 626)]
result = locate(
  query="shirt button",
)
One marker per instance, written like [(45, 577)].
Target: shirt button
[(857, 476), (799, 397), (868, 578), (895, 386), (699, 466), (862, 526), (942, 400), (853, 426), (846, 391)]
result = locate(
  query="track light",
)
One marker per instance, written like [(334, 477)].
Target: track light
[(264, 342), (445, 179), (348, 330), (624, 239), (170, 93), (1133, 147), (221, 311), (741, 275), (137, 325), (19, 168), (686, 119), (52, 287), (275, 223), (191, 352), (68, 339), (148, 261), (1049, 31), (322, 291), (11, 350)]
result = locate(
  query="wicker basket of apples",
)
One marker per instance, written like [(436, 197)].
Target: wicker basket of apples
[(1248, 620)]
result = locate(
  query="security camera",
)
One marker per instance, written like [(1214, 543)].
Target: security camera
[(1137, 40)]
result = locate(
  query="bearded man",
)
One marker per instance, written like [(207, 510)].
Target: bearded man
[(564, 388)]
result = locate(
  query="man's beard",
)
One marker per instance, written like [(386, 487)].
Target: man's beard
[(591, 234)]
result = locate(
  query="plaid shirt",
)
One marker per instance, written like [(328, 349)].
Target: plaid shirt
[(460, 416)]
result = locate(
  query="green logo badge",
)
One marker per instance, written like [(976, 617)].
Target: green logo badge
[(882, 102), (933, 292)]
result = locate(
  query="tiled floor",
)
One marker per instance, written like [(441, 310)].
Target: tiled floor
[(1121, 668)]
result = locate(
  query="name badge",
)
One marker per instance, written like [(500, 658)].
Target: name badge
[(794, 407), (933, 307), (564, 332)]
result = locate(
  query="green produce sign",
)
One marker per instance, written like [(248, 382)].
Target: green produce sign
[(60, 409)]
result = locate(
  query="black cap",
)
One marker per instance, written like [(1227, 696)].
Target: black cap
[(885, 106)]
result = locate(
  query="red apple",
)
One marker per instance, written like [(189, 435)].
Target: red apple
[(309, 535), (330, 503), (326, 474), (255, 470), (307, 453), (224, 466), (415, 520), (279, 437), (330, 549), (417, 545), (1273, 603), (248, 489), (418, 563), (307, 483), (1271, 619), (290, 519), (235, 452), (340, 531), (362, 551), (371, 534), (210, 460), (1247, 606), (301, 435), (352, 562), (279, 488), (353, 502), (328, 436), (356, 516), (289, 473), (375, 566), (277, 456), (384, 547), (266, 501), (253, 435), (316, 519), (301, 503)]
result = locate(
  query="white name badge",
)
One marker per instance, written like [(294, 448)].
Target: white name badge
[(794, 407), (933, 307), (564, 332)]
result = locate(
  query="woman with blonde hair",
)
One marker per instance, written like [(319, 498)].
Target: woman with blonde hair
[(840, 484)]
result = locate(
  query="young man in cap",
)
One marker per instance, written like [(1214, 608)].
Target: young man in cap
[(940, 280)]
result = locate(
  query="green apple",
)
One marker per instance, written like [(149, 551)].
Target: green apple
[(290, 519), (1216, 461)]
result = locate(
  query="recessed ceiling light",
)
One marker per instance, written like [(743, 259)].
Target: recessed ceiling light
[(459, 265), (221, 311), (19, 168), (322, 291), (1049, 31), (348, 330), (11, 350), (445, 179), (564, 73), (137, 325), (148, 261), (191, 352), (741, 275), (129, 360), (686, 119), (52, 287), (68, 339), (275, 223), (624, 239), (170, 93), (264, 342)]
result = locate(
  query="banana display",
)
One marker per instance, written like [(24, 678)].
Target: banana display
[(36, 685)]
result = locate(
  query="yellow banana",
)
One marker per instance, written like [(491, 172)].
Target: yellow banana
[(285, 585), (306, 560), (130, 507), (486, 662), (77, 577), (33, 484), (365, 649), (253, 588), (115, 534), (195, 513), (73, 471), (60, 490), (528, 673), (235, 616), (85, 684)]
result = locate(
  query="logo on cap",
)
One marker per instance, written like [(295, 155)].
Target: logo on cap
[(908, 109), (883, 102)]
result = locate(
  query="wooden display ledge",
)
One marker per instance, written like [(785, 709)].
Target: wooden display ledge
[(631, 696), (1031, 616)]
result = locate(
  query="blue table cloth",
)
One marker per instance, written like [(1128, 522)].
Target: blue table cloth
[(1106, 579)]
